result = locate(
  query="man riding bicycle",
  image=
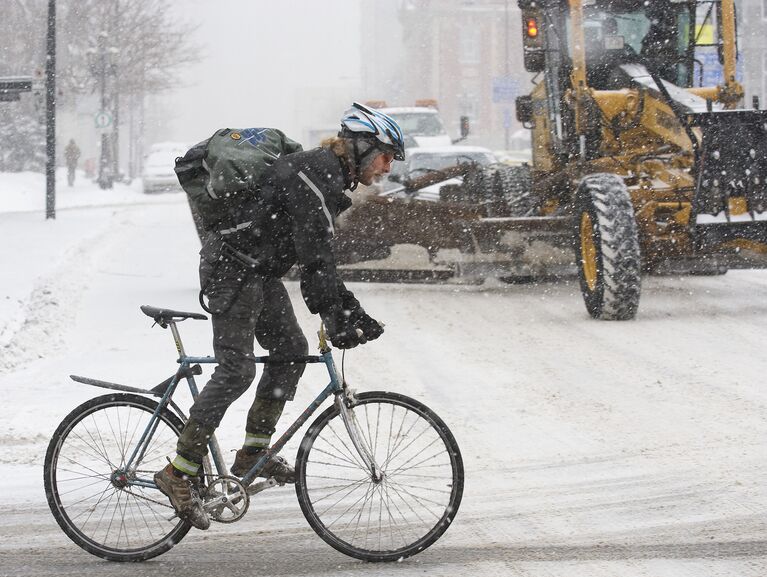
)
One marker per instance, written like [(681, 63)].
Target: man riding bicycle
[(289, 221)]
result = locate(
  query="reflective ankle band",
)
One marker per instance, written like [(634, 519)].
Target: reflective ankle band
[(186, 466), (257, 440)]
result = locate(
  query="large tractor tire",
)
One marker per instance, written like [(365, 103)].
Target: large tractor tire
[(503, 190), (478, 185), (516, 190), (607, 248)]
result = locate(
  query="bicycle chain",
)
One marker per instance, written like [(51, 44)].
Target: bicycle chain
[(148, 499)]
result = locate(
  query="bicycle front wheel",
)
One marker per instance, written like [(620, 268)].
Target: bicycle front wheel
[(412, 501), (89, 489)]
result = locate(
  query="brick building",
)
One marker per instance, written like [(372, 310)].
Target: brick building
[(452, 51)]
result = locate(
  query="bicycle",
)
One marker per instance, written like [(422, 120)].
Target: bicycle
[(379, 476)]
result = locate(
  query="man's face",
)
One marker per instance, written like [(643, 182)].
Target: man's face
[(380, 166)]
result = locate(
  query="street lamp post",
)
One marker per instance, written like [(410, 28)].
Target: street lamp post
[(50, 113), (506, 56), (102, 65)]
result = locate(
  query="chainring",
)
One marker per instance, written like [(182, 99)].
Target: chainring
[(226, 500)]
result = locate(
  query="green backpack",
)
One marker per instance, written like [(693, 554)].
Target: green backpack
[(219, 173)]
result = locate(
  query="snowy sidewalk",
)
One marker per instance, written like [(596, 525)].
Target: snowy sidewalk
[(34, 248)]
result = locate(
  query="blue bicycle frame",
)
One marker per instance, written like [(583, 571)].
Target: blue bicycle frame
[(188, 367)]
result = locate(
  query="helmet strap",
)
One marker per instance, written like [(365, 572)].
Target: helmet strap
[(357, 160)]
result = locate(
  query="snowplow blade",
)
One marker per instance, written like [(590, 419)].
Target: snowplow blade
[(458, 244), (487, 234)]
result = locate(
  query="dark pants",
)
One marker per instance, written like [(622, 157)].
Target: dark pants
[(244, 306)]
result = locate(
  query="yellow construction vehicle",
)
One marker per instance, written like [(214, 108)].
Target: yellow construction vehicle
[(643, 158), (641, 150)]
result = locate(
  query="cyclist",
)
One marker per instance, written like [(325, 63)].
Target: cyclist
[(290, 221)]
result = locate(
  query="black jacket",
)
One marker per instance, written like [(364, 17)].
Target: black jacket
[(291, 220)]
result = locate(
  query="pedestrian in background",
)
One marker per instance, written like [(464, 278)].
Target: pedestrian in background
[(71, 155)]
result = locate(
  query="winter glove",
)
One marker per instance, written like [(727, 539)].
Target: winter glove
[(370, 327), (341, 330)]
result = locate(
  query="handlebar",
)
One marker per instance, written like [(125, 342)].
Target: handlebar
[(322, 334)]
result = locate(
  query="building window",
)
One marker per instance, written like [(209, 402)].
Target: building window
[(469, 46)]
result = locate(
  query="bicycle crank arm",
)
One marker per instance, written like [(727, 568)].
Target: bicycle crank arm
[(261, 486)]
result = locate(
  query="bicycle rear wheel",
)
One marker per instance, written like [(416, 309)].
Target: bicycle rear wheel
[(409, 507), (88, 490)]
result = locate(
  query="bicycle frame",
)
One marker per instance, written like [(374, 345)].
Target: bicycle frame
[(344, 400)]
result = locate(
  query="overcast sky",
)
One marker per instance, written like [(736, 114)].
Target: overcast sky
[(275, 63)]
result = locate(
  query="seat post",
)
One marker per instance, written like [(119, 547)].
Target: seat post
[(177, 338)]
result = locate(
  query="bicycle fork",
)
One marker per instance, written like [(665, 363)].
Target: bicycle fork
[(344, 402)]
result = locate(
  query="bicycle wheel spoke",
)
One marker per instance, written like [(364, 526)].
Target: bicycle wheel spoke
[(98, 453), (358, 516), (352, 452), (430, 489), (419, 463), (414, 439), (349, 508), (407, 524), (341, 499), (90, 496), (96, 473), (98, 482), (101, 476), (392, 522), (115, 439), (409, 506), (341, 457), (335, 465), (359, 482), (366, 440), (141, 507), (403, 438), (419, 500), (398, 437)]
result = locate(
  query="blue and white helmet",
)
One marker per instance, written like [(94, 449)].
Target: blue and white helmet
[(360, 120)]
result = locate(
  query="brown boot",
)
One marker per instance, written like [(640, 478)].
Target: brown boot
[(183, 496), (276, 467)]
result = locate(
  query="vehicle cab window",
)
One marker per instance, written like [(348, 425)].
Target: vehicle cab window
[(638, 32)]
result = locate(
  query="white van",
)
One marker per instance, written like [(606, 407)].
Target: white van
[(421, 125)]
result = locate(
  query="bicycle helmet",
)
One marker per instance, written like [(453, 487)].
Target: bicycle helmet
[(363, 122)]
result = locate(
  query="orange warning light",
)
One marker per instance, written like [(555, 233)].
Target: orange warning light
[(532, 28)]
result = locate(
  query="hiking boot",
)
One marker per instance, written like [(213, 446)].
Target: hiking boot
[(183, 496), (277, 467)]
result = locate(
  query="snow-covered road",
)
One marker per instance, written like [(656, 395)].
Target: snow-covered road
[(591, 448)]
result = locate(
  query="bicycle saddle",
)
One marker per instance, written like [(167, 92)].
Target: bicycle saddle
[(164, 316)]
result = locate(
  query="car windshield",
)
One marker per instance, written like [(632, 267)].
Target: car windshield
[(419, 123), (438, 161)]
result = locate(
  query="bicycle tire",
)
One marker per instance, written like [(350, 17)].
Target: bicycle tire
[(418, 429), (83, 451)]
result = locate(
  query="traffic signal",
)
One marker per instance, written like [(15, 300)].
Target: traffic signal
[(12, 87)]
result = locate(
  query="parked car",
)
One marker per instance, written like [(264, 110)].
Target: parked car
[(422, 160), (158, 174)]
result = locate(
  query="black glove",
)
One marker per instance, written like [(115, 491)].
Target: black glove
[(370, 327), (341, 330)]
